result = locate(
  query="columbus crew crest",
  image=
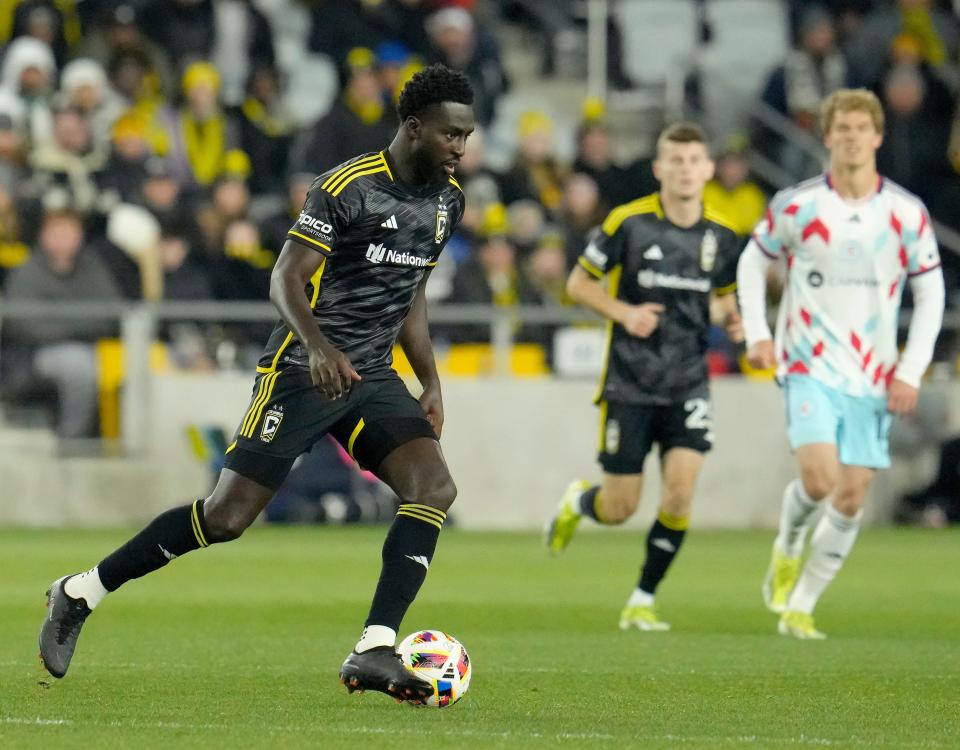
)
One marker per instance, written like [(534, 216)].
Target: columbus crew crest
[(442, 215), (708, 250), (271, 422)]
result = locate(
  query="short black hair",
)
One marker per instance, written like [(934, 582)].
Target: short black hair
[(433, 85)]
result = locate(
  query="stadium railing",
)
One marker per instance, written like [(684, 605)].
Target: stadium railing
[(139, 323)]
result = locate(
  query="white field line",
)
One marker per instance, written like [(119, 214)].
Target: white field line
[(757, 740)]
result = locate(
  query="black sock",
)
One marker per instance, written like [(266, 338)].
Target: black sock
[(407, 553), (663, 543), (167, 536), (588, 503)]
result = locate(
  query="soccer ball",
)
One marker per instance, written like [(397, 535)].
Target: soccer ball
[(441, 660)]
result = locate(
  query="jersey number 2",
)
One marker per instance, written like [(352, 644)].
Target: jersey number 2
[(699, 417)]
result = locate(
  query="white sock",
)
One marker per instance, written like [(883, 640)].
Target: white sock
[(375, 635), (832, 541), (795, 513), (640, 598), (86, 586)]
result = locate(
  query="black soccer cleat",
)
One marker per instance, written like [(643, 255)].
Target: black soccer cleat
[(380, 669), (61, 628)]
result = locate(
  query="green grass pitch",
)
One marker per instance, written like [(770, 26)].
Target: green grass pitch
[(238, 646)]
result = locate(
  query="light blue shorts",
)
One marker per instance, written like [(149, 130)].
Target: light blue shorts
[(858, 426)]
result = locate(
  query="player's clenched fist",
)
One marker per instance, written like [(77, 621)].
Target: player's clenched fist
[(331, 371), (761, 355), (642, 320), (901, 398)]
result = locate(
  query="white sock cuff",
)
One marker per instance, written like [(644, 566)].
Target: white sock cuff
[(376, 635), (800, 494), (842, 522), (640, 598)]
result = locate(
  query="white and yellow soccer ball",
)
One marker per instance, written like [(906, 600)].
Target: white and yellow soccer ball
[(441, 660)]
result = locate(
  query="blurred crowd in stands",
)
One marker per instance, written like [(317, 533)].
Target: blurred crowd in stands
[(160, 149)]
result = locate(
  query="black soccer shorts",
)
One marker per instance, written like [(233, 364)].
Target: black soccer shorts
[(288, 414), (628, 431)]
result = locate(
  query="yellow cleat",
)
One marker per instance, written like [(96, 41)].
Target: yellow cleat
[(780, 579), (799, 625), (560, 530), (641, 618)]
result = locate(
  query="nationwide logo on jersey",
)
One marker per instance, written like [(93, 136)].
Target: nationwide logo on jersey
[(442, 215), (271, 422), (649, 279), (708, 250), (390, 223), (653, 253), (382, 254)]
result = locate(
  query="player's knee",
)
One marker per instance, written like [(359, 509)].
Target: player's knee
[(438, 493), (615, 509), (848, 499), (677, 501), (223, 524), (818, 483)]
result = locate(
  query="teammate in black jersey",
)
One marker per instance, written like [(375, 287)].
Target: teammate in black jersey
[(663, 255), (349, 283)]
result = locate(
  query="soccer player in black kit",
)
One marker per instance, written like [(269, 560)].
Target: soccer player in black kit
[(349, 283), (663, 255)]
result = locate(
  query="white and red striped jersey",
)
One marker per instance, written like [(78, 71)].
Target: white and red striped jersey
[(847, 261)]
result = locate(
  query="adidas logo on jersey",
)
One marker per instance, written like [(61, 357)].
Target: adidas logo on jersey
[(653, 253), (381, 254), (390, 223)]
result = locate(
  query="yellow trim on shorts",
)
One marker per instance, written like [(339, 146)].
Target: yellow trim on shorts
[(602, 442), (353, 437), (271, 380), (256, 400), (230, 447)]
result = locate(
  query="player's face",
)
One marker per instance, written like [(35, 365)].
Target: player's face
[(442, 138), (852, 139), (683, 169)]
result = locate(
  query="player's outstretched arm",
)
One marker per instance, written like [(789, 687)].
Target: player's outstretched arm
[(415, 341), (330, 368), (752, 293), (637, 320)]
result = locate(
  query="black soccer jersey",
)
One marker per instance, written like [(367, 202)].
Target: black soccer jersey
[(378, 237), (649, 259)]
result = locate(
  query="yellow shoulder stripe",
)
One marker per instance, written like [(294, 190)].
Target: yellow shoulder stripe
[(359, 164), (649, 204), (310, 240), (716, 217), (383, 156), (354, 175)]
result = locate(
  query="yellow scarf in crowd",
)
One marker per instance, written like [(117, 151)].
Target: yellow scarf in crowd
[(204, 142)]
